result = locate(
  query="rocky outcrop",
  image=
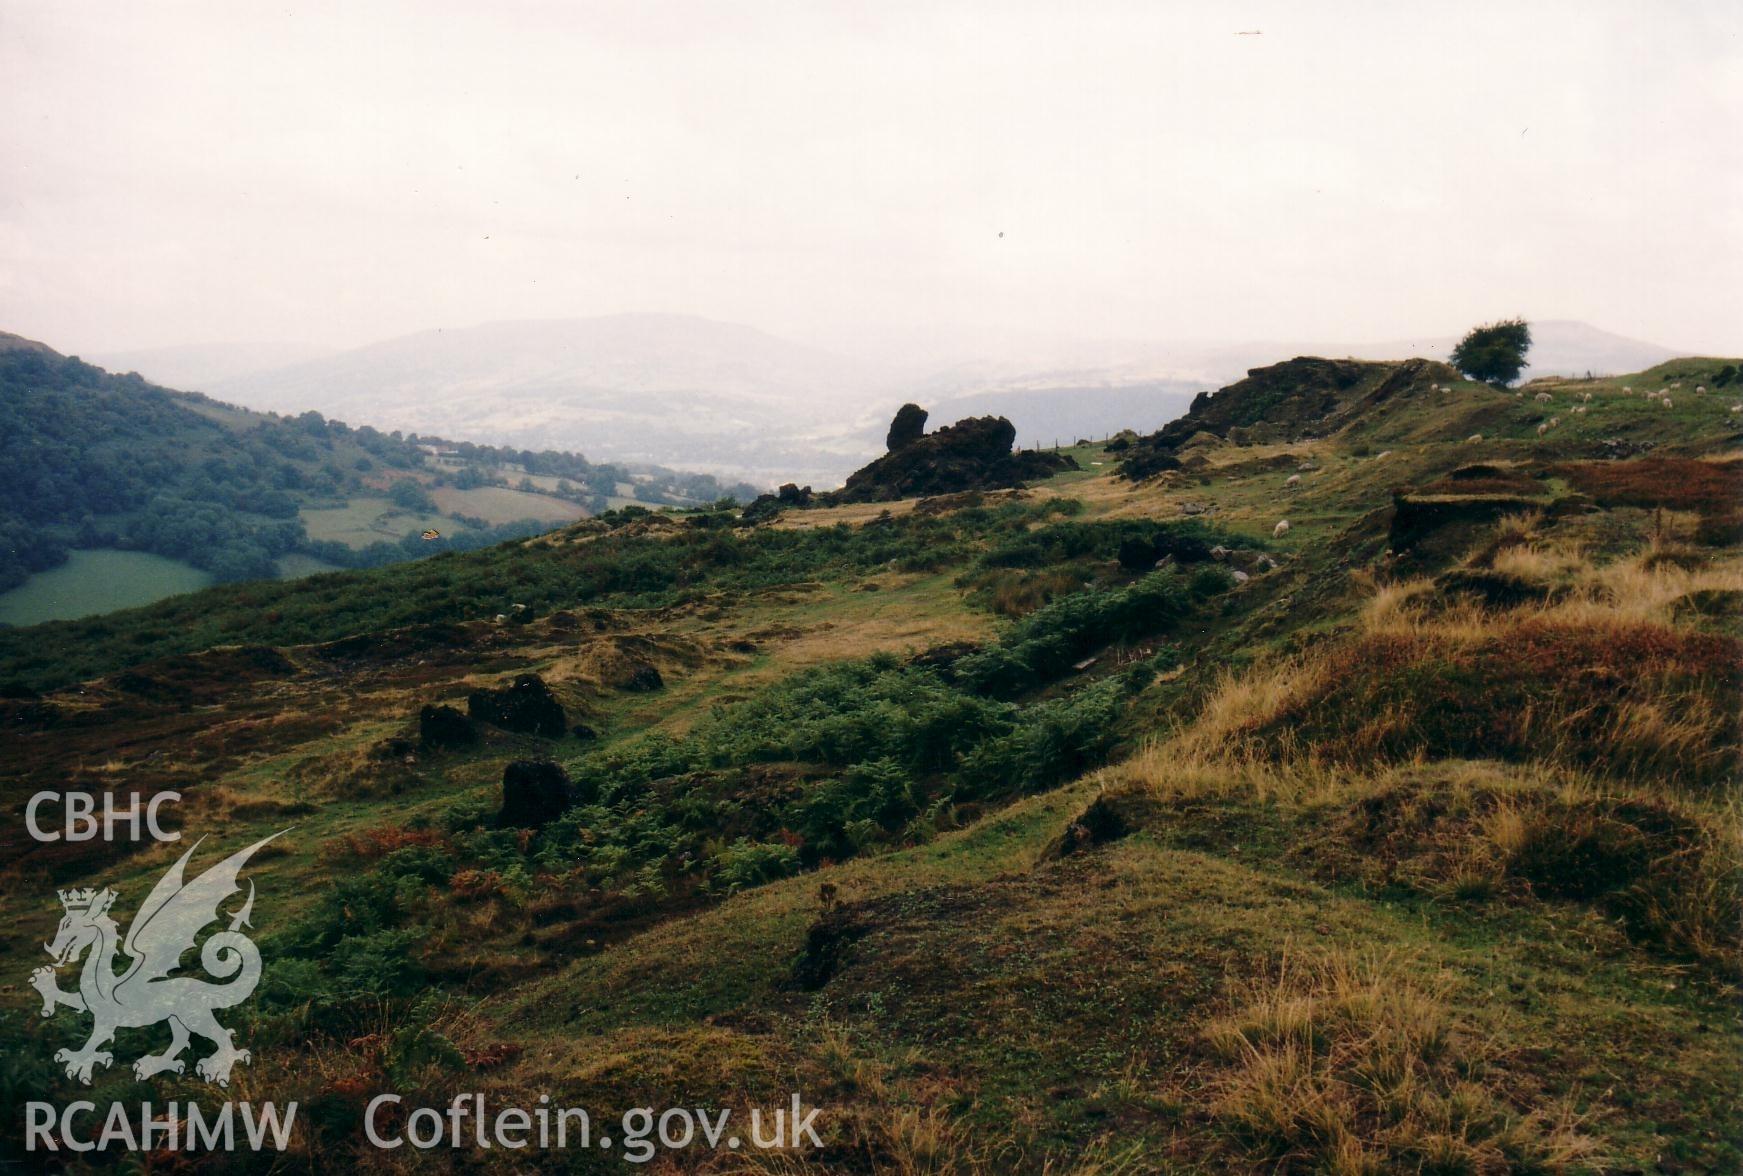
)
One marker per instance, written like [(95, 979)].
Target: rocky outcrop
[(534, 793), (972, 454), (1302, 397), (526, 706)]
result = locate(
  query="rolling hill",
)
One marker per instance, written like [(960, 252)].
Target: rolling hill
[(1101, 825), (91, 461), (607, 386)]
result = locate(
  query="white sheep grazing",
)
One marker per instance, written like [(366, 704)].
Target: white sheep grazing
[(1543, 398), (1292, 480), (1473, 438), (1580, 411), (1626, 388), (1678, 384), (1587, 398), (1665, 402), (1280, 530), (1737, 408), (1700, 389), (1542, 429)]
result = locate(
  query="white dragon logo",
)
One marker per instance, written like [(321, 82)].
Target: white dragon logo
[(164, 928)]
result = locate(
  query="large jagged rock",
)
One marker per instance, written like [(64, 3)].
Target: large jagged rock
[(443, 726), (908, 427), (527, 706), (972, 454), (534, 793)]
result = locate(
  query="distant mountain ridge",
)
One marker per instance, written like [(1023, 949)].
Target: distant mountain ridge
[(633, 388), (699, 394), (201, 367)]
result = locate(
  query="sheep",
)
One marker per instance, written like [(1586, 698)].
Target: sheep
[(1554, 421), (1473, 438), (1293, 480), (1737, 408), (1678, 384), (1280, 530), (1542, 429), (1543, 398), (1580, 411), (1626, 388), (1700, 389), (1665, 402), (1587, 398)]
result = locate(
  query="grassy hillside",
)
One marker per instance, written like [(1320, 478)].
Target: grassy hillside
[(91, 461), (1104, 825)]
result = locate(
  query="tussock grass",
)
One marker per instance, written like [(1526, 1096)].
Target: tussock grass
[(1352, 1064), (1600, 675), (1668, 869)]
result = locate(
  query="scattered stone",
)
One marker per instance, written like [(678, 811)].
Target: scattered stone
[(534, 793), (526, 706), (444, 726)]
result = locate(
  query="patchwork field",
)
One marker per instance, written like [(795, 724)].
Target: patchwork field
[(98, 581), (497, 504), (366, 520)]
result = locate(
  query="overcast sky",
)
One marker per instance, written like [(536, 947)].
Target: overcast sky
[(340, 173)]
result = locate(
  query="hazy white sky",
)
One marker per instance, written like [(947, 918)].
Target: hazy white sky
[(341, 172)]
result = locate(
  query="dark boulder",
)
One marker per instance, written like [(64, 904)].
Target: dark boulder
[(792, 494), (828, 944), (1137, 555), (443, 726), (1186, 549), (642, 678), (762, 508), (527, 706), (534, 793), (907, 428), (583, 732)]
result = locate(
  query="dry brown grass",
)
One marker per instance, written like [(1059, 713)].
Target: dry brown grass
[(1601, 670), (1353, 1064)]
